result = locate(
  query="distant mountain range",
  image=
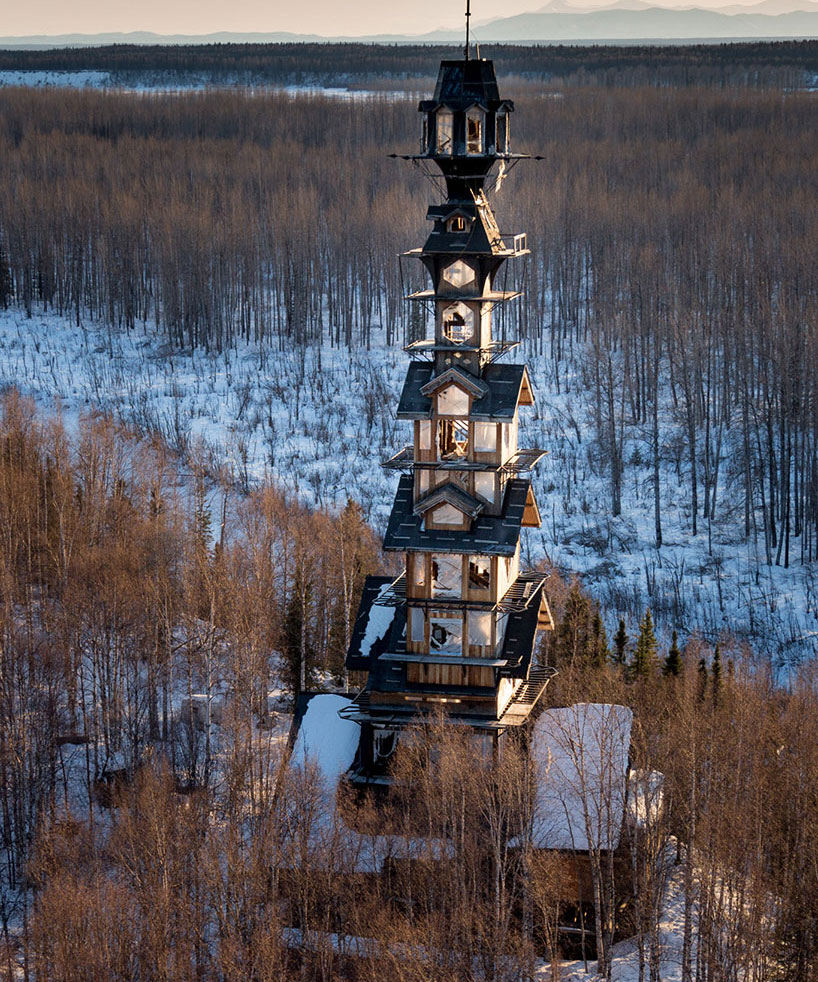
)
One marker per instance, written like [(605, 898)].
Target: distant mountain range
[(557, 21)]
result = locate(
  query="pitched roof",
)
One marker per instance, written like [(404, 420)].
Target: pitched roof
[(458, 376), (495, 535), (453, 495), (506, 385)]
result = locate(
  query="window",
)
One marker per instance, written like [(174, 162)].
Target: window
[(479, 572), (452, 401), (417, 623), (474, 132), (446, 634), (502, 620), (485, 437), (452, 438), (384, 742), (446, 576), (458, 274), (479, 628), (425, 435), (425, 143), (484, 485), (444, 131), (447, 515), (423, 481), (502, 132), (458, 323), (418, 570), (457, 224)]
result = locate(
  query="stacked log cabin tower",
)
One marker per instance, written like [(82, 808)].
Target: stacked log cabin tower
[(457, 629)]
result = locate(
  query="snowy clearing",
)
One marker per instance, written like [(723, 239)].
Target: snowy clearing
[(319, 421)]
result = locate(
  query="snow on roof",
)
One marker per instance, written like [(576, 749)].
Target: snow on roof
[(581, 756), (379, 622), (326, 740)]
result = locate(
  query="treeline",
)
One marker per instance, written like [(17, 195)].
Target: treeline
[(671, 231), (145, 837), (758, 64), (124, 587)]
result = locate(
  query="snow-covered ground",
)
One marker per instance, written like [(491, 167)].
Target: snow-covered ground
[(67, 79), (169, 82), (320, 421)]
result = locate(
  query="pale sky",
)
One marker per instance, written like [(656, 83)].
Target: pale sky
[(326, 17)]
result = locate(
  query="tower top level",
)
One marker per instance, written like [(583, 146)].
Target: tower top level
[(466, 82), (466, 125)]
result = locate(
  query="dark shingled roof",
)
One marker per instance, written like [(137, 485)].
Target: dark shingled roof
[(477, 239), (386, 676), (464, 379), (495, 535), (358, 661), (499, 404)]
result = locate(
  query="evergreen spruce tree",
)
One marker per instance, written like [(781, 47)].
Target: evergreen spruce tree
[(598, 643), (644, 659), (716, 675), (673, 662), (702, 678), (621, 644), (573, 633)]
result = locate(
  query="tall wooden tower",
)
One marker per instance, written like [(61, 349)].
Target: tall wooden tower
[(457, 629)]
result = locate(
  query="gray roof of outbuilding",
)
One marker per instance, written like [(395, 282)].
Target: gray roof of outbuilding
[(500, 402), (494, 535)]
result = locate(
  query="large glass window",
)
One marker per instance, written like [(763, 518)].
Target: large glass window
[(485, 437), (474, 132), (458, 274), (446, 634), (447, 576), (484, 486), (452, 401), (458, 323), (502, 133), (479, 572), (479, 628), (452, 438), (445, 131)]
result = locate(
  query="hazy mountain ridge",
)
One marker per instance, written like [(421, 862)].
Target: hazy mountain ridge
[(559, 20), (621, 23)]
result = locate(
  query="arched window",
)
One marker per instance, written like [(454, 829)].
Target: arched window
[(445, 131), (474, 131), (502, 133)]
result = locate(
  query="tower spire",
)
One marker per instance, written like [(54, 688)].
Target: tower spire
[(468, 16)]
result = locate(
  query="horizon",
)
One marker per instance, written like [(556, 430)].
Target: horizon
[(366, 18)]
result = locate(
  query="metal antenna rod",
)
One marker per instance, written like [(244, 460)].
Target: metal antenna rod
[(468, 15)]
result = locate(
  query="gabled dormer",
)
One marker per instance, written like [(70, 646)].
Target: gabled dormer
[(448, 507)]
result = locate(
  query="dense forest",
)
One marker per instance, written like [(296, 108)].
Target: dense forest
[(126, 622), (759, 64), (159, 617), (671, 233)]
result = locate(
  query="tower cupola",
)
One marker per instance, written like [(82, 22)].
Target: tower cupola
[(465, 125)]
